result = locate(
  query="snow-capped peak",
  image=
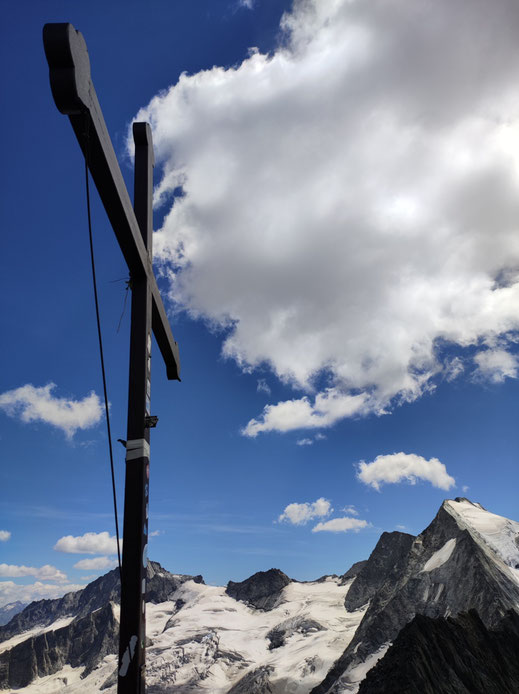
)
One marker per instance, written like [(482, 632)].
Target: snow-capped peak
[(496, 533)]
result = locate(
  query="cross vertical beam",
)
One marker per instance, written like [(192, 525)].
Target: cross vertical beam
[(132, 640)]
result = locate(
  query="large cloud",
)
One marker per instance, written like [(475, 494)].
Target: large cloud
[(351, 202), (38, 404)]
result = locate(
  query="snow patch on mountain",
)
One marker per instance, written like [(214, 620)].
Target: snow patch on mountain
[(441, 556), (355, 675)]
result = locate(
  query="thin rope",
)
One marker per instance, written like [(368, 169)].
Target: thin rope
[(99, 335)]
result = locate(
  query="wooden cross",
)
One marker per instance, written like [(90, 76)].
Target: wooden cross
[(75, 96)]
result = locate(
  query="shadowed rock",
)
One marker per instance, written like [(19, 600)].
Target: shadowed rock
[(353, 571), (384, 564), (452, 656), (262, 590)]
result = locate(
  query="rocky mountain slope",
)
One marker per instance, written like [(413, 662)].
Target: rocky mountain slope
[(437, 612), (466, 559), (453, 655)]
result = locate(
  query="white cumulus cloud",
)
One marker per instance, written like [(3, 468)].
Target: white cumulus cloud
[(5, 535), (44, 573), (327, 408), (340, 525), (300, 514), (97, 563), (89, 543), (397, 467), (495, 365), (34, 404), (11, 591), (358, 191)]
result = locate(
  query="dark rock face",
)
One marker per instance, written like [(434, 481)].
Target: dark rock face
[(385, 564), (161, 584), (255, 682), (449, 656), (300, 625), (85, 641), (466, 578), (262, 590), (353, 571)]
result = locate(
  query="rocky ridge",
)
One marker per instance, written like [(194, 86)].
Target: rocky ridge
[(453, 655)]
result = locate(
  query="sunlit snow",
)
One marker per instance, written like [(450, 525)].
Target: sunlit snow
[(441, 556)]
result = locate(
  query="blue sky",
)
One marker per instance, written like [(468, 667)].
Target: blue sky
[(337, 221)]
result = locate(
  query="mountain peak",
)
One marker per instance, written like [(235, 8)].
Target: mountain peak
[(261, 590)]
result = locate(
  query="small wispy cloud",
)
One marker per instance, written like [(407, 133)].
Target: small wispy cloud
[(38, 404), (156, 533), (350, 510), (5, 535), (304, 442), (263, 386), (89, 543), (300, 514), (44, 573), (453, 369), (341, 525), (399, 467)]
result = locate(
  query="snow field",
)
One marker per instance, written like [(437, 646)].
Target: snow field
[(218, 640)]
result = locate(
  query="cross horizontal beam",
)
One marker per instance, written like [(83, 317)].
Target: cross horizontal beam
[(75, 96)]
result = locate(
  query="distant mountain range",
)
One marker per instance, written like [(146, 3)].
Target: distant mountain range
[(433, 614), (7, 612)]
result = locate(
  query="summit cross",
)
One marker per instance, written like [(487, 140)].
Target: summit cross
[(75, 96)]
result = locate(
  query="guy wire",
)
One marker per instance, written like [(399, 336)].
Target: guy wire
[(99, 335)]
